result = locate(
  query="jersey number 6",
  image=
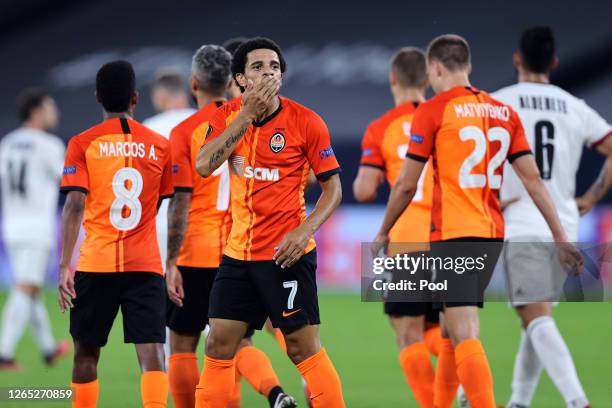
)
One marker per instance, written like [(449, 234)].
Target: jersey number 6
[(126, 195), (498, 134)]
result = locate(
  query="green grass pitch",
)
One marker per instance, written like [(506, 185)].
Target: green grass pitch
[(361, 344)]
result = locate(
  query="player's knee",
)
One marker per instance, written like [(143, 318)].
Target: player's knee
[(220, 347), (299, 349), (460, 334), (30, 290)]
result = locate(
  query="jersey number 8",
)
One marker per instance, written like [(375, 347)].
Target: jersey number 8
[(126, 196), (498, 134)]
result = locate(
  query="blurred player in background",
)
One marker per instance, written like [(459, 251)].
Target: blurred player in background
[(30, 170), (269, 263), (384, 148), (199, 221), (169, 98), (557, 126), (457, 128), (115, 176), (231, 45)]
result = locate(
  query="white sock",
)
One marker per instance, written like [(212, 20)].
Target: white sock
[(41, 327), (526, 374), (15, 317), (557, 360)]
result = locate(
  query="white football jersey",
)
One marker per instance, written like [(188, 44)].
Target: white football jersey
[(163, 123), (31, 163), (557, 126)]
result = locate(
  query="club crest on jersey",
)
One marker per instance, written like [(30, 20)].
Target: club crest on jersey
[(277, 142)]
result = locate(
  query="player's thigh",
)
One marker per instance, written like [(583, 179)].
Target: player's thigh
[(192, 317), (290, 294), (408, 329), (234, 295), (95, 307), (143, 307), (30, 263), (461, 323), (532, 311)]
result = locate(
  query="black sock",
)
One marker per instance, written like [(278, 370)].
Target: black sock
[(274, 392)]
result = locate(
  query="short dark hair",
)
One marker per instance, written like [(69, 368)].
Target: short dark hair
[(537, 47), (28, 100), (240, 55), (210, 66), (451, 50), (115, 85), (232, 44), (410, 68), (170, 80)]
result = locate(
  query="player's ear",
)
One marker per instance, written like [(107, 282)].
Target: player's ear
[(392, 79), (517, 59), (97, 97), (241, 79), (194, 85), (135, 97), (555, 63)]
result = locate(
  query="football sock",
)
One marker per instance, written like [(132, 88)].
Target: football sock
[(433, 340), (446, 381), (41, 327), (322, 380), (183, 378), (526, 374), (216, 383), (154, 389), (85, 394), (475, 374), (556, 359), (234, 401), (256, 368), (281, 339), (15, 317), (419, 373)]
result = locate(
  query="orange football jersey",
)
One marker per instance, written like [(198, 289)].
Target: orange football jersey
[(125, 169), (469, 135), (384, 146), (268, 173), (209, 215)]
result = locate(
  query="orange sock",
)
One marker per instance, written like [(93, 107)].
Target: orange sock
[(183, 378), (85, 394), (433, 340), (322, 380), (419, 373), (281, 339), (234, 401), (446, 381), (216, 383), (475, 374), (154, 389), (256, 368)]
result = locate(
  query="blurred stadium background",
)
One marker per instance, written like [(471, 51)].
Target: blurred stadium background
[(337, 64)]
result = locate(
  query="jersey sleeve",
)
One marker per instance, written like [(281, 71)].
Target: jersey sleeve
[(422, 133), (75, 176), (519, 146), (217, 123), (166, 187), (371, 153), (182, 174), (319, 151), (596, 128)]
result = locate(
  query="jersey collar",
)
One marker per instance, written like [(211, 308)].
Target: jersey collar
[(271, 116)]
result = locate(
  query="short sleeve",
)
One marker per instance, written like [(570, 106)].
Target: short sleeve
[(371, 154), (519, 146), (319, 151), (217, 123), (75, 176), (182, 174), (422, 134), (166, 188), (596, 128)]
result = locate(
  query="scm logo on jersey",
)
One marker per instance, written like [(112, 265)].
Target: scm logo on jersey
[(277, 142), (261, 173)]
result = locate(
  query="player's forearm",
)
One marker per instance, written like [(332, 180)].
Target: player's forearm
[(400, 197), (602, 184), (328, 201), (213, 154), (72, 217), (543, 201), (178, 216)]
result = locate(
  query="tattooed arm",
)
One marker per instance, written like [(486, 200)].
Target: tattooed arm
[(178, 214)]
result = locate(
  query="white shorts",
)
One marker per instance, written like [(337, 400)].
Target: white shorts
[(533, 272), (30, 263)]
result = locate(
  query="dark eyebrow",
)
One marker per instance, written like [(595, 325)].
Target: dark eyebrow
[(255, 62)]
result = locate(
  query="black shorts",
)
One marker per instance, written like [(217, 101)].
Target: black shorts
[(413, 309), (464, 286), (192, 318), (141, 296), (251, 291)]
